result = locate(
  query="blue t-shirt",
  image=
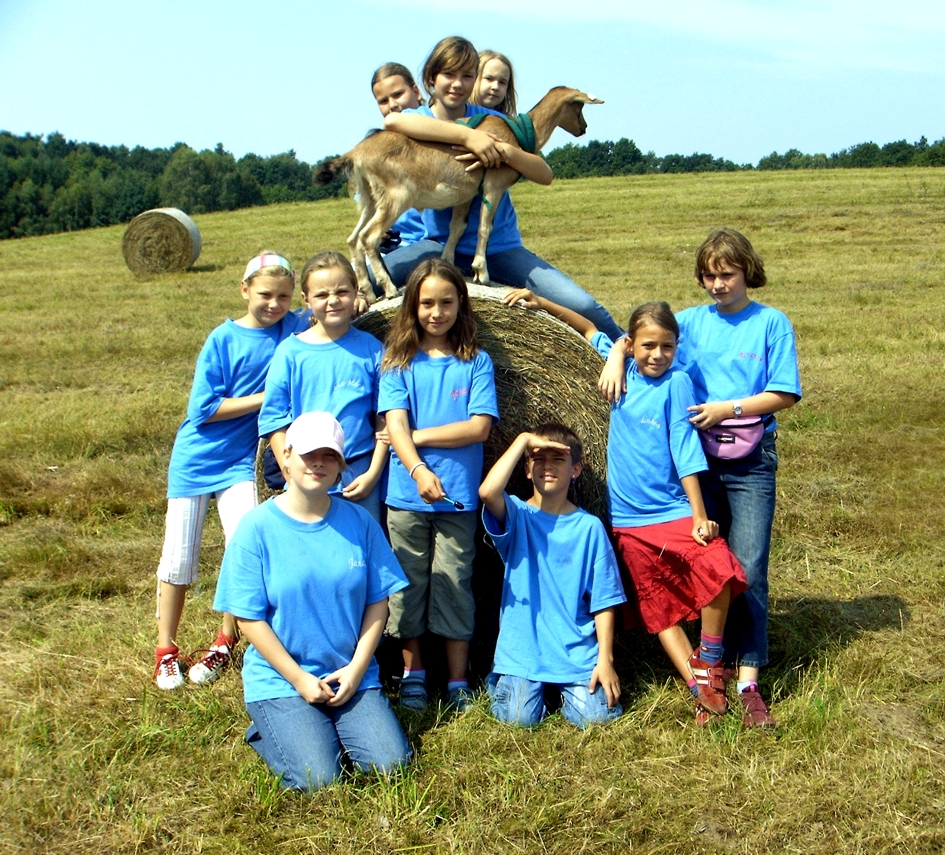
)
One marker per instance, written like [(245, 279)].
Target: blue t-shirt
[(505, 234), (340, 377), (411, 228), (651, 446), (440, 391), (211, 456), (311, 582), (736, 356), (559, 571)]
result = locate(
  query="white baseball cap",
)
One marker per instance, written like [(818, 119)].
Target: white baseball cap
[(311, 431)]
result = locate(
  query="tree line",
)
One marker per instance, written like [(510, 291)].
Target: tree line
[(58, 185), (625, 158), (52, 184)]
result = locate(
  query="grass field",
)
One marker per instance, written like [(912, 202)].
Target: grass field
[(95, 369)]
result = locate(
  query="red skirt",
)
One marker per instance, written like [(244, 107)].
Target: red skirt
[(668, 577)]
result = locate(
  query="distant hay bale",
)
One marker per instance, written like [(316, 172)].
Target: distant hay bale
[(162, 240), (544, 371)]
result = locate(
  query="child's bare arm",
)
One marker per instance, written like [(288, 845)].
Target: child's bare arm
[(711, 413), (420, 127), (493, 485), (455, 434), (364, 484), (703, 529), (231, 408), (277, 444), (532, 166), (531, 300), (428, 484), (349, 676), (613, 379), (495, 482), (604, 675)]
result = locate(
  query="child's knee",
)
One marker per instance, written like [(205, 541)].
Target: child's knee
[(583, 708), (515, 701)]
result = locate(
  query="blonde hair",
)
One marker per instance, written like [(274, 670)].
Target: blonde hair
[(326, 261), (508, 103)]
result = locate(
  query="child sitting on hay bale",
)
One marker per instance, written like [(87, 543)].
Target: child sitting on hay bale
[(449, 76), (560, 592)]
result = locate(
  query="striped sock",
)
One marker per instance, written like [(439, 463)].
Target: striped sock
[(711, 648)]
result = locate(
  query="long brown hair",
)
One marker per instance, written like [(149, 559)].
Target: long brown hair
[(403, 340)]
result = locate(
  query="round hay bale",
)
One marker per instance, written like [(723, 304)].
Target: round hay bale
[(162, 240), (544, 371)]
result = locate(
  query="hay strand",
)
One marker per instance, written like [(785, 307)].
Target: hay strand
[(162, 240), (544, 371)]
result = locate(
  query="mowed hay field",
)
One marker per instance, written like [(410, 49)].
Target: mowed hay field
[(95, 369)]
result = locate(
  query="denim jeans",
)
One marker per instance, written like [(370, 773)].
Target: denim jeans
[(518, 268), (519, 701), (305, 743), (739, 495)]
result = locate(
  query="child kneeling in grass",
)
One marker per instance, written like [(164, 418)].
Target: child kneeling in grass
[(308, 576), (560, 592)]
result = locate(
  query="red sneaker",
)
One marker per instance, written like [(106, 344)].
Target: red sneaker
[(756, 713), (709, 682)]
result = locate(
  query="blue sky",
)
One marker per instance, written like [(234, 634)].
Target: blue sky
[(735, 79)]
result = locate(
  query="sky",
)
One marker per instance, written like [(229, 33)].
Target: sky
[(737, 79)]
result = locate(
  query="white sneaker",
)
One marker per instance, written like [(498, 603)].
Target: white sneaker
[(211, 665), (167, 672)]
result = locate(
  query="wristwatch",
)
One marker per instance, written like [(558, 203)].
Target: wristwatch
[(737, 409)]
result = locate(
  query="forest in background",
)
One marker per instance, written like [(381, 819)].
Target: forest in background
[(51, 184)]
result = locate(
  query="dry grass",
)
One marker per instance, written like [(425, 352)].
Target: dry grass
[(95, 368)]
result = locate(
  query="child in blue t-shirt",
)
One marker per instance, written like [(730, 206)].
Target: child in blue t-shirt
[(214, 454), (438, 394), (679, 569), (334, 367), (308, 577), (560, 592)]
